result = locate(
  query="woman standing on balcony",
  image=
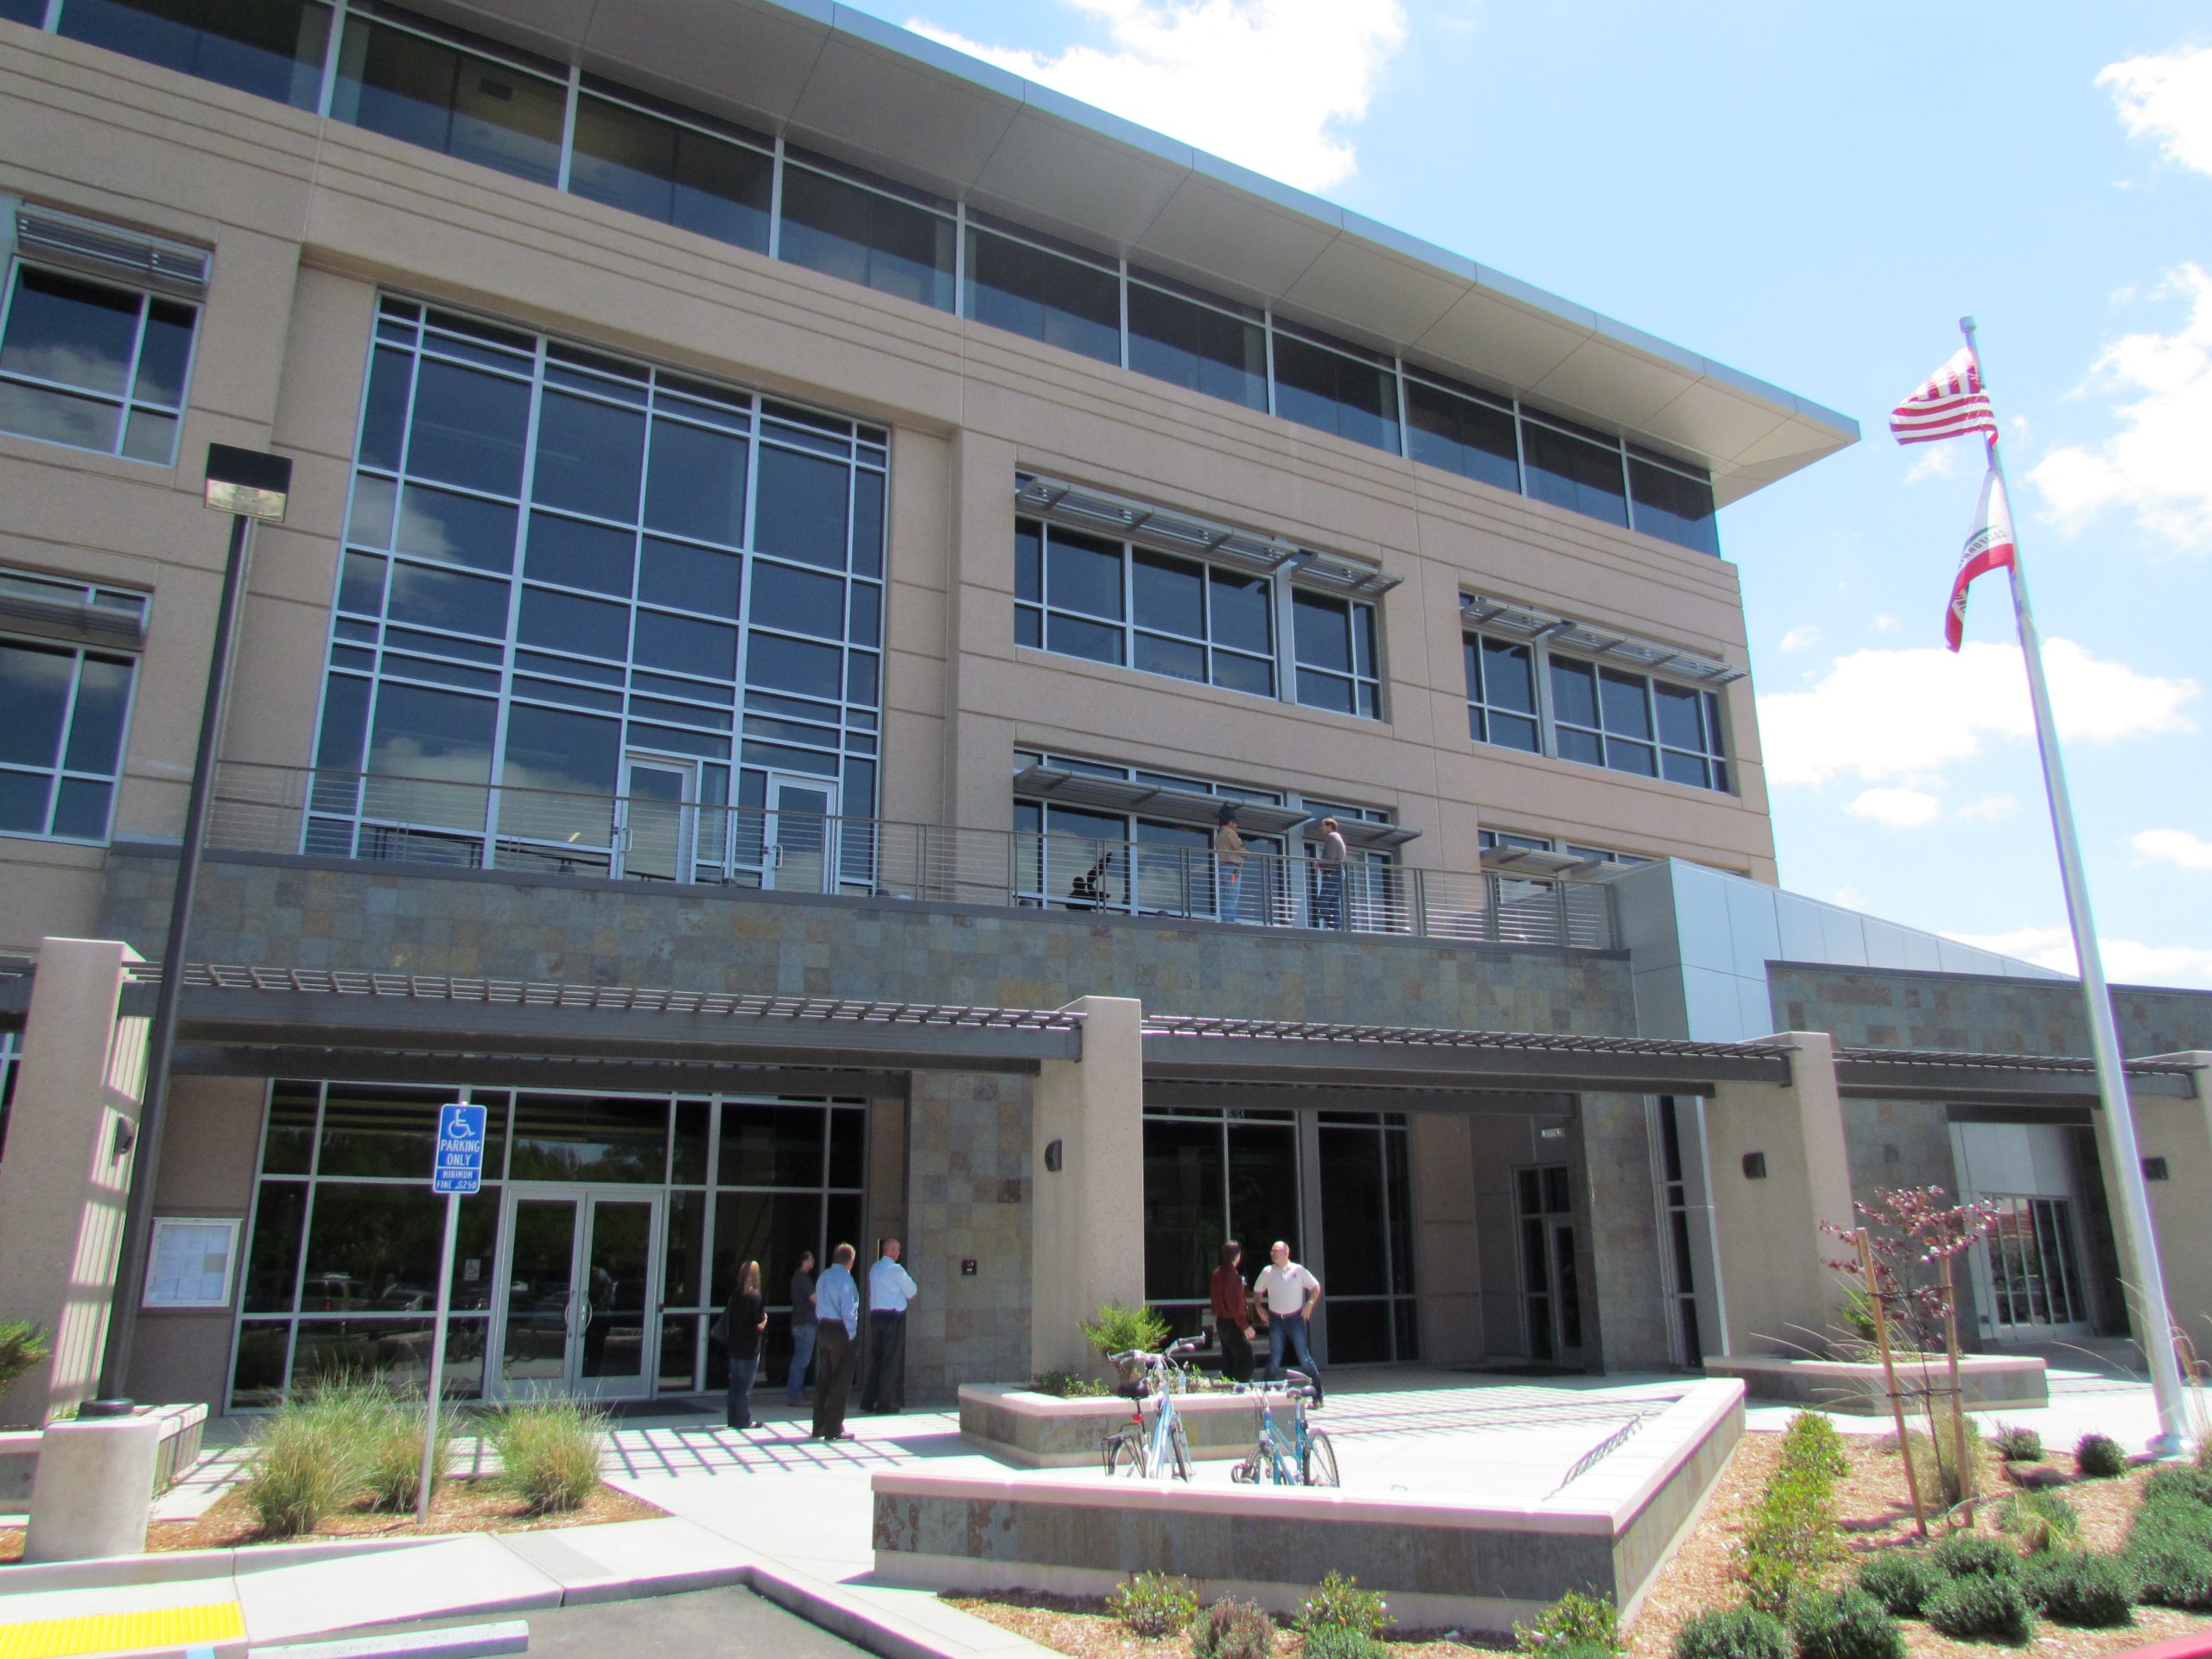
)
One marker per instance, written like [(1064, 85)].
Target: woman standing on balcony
[(1228, 865)]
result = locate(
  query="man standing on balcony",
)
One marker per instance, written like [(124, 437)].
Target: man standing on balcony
[(890, 1287), (1331, 859), (1228, 865)]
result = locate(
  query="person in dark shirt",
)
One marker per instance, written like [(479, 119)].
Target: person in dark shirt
[(745, 1318), (1232, 1315), (803, 1328)]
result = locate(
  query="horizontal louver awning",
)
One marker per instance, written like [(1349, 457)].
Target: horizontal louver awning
[(1604, 644), (1534, 865), (1101, 512), (112, 250), (1151, 800)]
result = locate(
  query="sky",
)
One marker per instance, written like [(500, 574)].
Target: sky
[(1815, 197)]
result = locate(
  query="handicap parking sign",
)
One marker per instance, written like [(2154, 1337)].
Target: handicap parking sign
[(460, 1148)]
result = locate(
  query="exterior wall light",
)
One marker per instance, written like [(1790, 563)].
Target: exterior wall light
[(1755, 1165)]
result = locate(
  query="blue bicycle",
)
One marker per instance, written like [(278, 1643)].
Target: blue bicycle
[(1292, 1456), (1150, 1452)]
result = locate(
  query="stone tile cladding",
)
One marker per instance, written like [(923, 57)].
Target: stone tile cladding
[(968, 1196), (1897, 1008)]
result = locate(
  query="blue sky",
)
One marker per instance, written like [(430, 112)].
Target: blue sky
[(1815, 197)]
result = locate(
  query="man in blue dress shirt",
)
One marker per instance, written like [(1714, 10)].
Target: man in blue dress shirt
[(837, 1310), (890, 1287)]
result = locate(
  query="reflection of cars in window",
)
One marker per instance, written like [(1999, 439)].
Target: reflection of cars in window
[(406, 1299), (329, 1293)]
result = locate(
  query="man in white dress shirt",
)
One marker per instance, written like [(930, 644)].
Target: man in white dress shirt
[(1288, 1294), (890, 1287)]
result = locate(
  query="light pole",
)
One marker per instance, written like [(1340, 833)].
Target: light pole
[(248, 485)]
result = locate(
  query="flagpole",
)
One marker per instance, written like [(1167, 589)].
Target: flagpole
[(2104, 1035)]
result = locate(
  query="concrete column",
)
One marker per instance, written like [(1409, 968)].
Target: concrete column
[(1780, 1299), (64, 1183), (2179, 1131), (1626, 1309), (1088, 1221), (1448, 1253)]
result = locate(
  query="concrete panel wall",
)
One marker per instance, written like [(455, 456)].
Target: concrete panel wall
[(1447, 1244), (2180, 1131), (1088, 1246), (1626, 1298)]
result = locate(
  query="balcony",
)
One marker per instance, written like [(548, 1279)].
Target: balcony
[(775, 847)]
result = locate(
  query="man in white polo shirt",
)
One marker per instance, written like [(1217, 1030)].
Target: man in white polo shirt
[(1286, 1296)]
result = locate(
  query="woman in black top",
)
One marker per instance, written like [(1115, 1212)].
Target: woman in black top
[(745, 1318)]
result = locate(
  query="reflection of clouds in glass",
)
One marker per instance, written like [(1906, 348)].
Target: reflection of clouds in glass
[(58, 416), (71, 363), (422, 529)]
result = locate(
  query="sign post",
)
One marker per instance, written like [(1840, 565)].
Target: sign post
[(459, 1168)]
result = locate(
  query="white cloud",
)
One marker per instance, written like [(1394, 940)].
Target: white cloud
[(1270, 84), (1881, 715), (1933, 461), (2127, 962), (1895, 809), (2154, 464), (2191, 851), (1798, 639), (2169, 96), (1884, 622), (1850, 898)]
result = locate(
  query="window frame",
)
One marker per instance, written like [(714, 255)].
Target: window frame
[(60, 772), (128, 402), (1714, 758)]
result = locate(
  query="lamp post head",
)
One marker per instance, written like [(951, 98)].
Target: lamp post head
[(248, 482)]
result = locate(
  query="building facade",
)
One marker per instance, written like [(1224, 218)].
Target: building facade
[(782, 511)]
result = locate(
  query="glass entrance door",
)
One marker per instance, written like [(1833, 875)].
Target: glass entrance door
[(1550, 1290), (577, 1308), (799, 838), (655, 819)]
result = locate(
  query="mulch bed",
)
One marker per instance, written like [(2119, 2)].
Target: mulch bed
[(459, 1506), (1876, 1515)]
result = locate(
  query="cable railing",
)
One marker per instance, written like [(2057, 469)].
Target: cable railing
[(781, 844)]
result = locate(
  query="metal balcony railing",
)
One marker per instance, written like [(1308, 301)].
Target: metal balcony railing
[(427, 820)]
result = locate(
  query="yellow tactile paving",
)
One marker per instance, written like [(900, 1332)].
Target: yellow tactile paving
[(151, 1627)]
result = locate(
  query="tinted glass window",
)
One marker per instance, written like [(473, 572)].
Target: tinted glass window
[(841, 229), (1573, 473), (468, 428), (424, 91), (1324, 640), (802, 510), (688, 578), (447, 599), (1242, 616), (75, 357), (1335, 392), (547, 749), (678, 175), (1170, 594), (1084, 575), (1174, 338), (577, 555), (273, 49), (1030, 290), (590, 456), (1462, 436), (1673, 507), (694, 484)]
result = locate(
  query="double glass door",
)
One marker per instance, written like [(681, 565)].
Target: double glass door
[(1550, 1292), (577, 1309)]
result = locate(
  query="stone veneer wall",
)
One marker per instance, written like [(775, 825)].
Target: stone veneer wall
[(273, 911), (968, 1196), (1898, 1009)]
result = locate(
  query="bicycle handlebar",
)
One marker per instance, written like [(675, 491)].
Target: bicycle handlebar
[(1174, 1350)]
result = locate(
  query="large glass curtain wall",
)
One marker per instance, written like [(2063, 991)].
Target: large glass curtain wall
[(377, 67), (1211, 1176), (578, 578), (340, 1273)]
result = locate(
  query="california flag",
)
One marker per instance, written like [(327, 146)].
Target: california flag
[(1989, 546)]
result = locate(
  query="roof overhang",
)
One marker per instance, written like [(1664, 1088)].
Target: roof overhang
[(838, 80)]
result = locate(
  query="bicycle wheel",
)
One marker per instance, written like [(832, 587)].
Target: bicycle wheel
[(1123, 1453), (1179, 1451), (1319, 1466)]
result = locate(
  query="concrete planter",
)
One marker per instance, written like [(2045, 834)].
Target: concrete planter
[(1038, 1432), (181, 1426), (1986, 1381)]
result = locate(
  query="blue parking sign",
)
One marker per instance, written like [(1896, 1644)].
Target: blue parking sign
[(460, 1148)]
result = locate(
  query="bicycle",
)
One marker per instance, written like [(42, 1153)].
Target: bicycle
[(1164, 1448), (1279, 1450)]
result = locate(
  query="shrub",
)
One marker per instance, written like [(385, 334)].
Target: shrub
[(1154, 1604), (1340, 1642), (307, 1465), (1977, 1604), (1732, 1633), (1975, 1555), (1066, 1385), (549, 1452), (1811, 1442), (22, 1345), (1934, 1463), (2016, 1443), (1233, 1630), (1339, 1604), (1790, 1536), (2170, 1553), (2099, 1457), (2076, 1587), (1116, 1327), (2042, 1520), (391, 1447), (1901, 1580), (2177, 1485), (1573, 1621), (1846, 1624)]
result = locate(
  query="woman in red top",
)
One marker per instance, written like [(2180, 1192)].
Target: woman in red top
[(1230, 1315)]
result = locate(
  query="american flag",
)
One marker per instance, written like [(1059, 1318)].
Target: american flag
[(1949, 403)]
